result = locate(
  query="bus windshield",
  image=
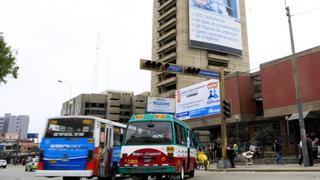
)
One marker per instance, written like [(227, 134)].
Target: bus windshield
[(151, 132), (70, 127)]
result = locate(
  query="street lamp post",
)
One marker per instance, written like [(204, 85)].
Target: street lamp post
[(70, 87), (298, 93)]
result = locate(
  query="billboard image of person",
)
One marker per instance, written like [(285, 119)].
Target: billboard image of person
[(215, 25), (224, 7)]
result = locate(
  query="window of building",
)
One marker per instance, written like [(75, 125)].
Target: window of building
[(212, 62)]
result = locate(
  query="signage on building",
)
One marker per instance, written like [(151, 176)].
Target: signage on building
[(161, 105), (11, 136), (198, 100), (32, 135), (1, 147), (215, 25)]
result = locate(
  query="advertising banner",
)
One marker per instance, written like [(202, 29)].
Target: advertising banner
[(198, 100), (215, 25), (11, 136), (161, 105)]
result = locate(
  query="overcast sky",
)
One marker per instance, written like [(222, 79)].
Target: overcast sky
[(58, 40)]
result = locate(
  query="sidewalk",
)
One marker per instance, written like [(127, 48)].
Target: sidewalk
[(267, 168)]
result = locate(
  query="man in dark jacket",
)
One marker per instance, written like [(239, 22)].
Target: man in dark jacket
[(279, 153), (231, 155), (309, 145)]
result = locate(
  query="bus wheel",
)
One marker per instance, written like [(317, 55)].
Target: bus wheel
[(181, 177), (71, 178), (112, 177), (144, 177), (191, 173)]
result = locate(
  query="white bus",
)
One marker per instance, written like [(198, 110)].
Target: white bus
[(80, 146)]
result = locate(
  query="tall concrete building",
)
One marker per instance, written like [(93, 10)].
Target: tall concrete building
[(140, 103), (15, 124), (187, 32), (113, 105), (1, 125)]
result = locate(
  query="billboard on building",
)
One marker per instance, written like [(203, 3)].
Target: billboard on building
[(198, 100), (215, 25), (161, 105), (11, 136)]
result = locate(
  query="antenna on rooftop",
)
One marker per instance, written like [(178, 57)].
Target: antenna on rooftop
[(95, 68)]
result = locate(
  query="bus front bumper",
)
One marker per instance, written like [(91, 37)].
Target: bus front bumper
[(129, 170), (68, 173)]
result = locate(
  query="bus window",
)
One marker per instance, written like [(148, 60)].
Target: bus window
[(184, 135), (193, 140), (69, 128), (103, 134), (154, 132), (108, 137), (180, 134), (116, 136)]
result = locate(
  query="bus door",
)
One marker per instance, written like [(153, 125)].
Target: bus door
[(188, 146), (109, 149), (102, 149), (117, 139)]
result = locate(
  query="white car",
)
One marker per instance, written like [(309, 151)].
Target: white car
[(3, 163)]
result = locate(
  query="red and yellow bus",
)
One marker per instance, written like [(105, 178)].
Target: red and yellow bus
[(158, 145)]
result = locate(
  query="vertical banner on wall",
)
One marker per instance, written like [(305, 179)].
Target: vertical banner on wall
[(215, 25)]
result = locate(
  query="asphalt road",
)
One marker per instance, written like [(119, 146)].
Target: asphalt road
[(18, 173)]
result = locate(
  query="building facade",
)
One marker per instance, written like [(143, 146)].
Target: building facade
[(1, 126), (14, 124), (263, 104), (113, 105), (171, 44)]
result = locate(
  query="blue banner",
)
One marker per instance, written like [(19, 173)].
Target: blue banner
[(32, 135)]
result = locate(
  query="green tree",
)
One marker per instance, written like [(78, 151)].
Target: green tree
[(7, 61)]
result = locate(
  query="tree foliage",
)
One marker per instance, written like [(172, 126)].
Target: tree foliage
[(7, 61)]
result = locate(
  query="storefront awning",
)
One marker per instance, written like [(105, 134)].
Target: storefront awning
[(295, 116)]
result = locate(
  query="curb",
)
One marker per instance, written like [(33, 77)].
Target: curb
[(265, 170)]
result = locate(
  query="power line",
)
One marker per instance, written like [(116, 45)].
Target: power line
[(306, 11)]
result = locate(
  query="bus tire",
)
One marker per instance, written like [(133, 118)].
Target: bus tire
[(191, 173), (142, 177), (71, 178), (181, 176), (112, 177)]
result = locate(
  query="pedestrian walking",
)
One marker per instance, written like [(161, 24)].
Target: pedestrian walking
[(300, 152), (218, 152), (236, 148), (310, 152), (231, 155), (315, 145), (279, 153)]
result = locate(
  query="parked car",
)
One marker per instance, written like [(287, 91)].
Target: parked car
[(3, 163), (32, 164)]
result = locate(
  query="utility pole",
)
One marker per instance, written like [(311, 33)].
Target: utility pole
[(298, 93), (224, 140), (17, 148)]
